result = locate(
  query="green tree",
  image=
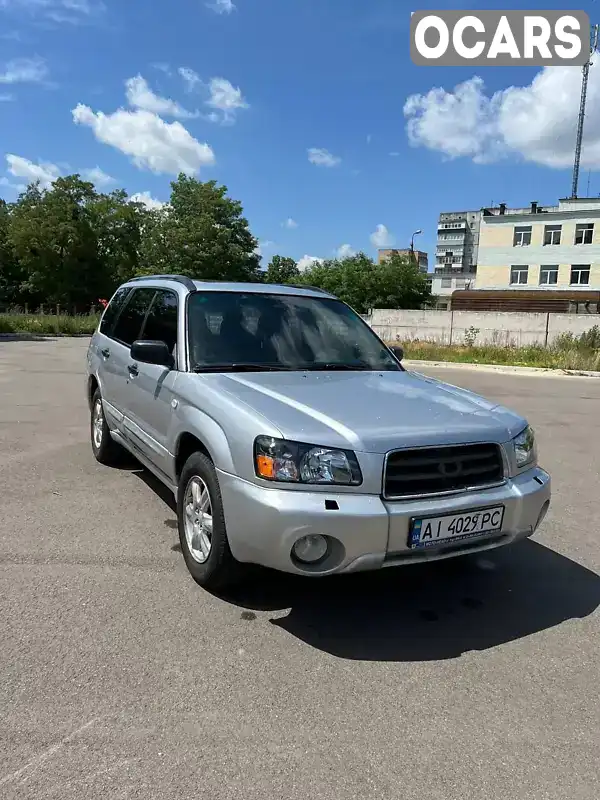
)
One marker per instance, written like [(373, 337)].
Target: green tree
[(73, 245), (119, 226), (202, 234), (282, 270), (52, 238), (358, 281), (398, 283), (11, 276)]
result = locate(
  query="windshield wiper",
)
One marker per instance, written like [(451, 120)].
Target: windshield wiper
[(242, 367), (339, 367)]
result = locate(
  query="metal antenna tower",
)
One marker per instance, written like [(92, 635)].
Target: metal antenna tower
[(584, 85)]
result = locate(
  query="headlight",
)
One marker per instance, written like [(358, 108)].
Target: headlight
[(292, 462), (525, 449)]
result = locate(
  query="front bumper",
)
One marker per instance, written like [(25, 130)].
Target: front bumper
[(263, 523)]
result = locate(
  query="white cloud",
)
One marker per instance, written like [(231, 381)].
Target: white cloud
[(224, 98), (25, 70), (140, 95), (6, 98), (18, 187), (308, 261), (11, 36), (191, 78), (20, 167), (60, 11), (381, 237), (97, 176), (345, 251), (536, 122), (322, 157), (149, 141), (146, 199), (290, 224), (162, 67), (221, 95), (222, 6)]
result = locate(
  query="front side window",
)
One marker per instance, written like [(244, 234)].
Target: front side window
[(161, 322), (261, 332), (519, 275), (112, 310), (552, 234), (580, 275), (129, 324), (548, 275)]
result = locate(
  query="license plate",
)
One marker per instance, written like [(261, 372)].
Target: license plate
[(429, 531)]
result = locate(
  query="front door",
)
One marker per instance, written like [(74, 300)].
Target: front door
[(151, 387), (119, 390)]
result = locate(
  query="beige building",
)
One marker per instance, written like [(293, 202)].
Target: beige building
[(541, 247), (420, 256)]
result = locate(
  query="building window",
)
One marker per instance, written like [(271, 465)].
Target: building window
[(584, 233), (549, 275), (522, 236), (446, 283), (580, 275), (518, 275), (552, 234)]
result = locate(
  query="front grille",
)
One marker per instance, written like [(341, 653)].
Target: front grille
[(435, 470)]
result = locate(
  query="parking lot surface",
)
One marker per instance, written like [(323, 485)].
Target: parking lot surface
[(121, 678)]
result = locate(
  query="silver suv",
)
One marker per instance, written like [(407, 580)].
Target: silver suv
[(292, 437)]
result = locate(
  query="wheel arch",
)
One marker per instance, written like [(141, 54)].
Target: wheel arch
[(188, 443), (92, 385)]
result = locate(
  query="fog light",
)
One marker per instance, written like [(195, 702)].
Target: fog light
[(310, 549)]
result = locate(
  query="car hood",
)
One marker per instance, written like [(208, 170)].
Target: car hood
[(369, 411)]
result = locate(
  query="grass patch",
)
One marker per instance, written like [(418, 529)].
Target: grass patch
[(49, 324), (565, 353)]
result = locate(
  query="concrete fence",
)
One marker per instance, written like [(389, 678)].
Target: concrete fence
[(453, 327)]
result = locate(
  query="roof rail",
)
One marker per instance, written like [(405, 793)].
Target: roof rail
[(187, 282), (305, 286)]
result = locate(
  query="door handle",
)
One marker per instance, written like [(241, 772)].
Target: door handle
[(105, 353), (133, 370)]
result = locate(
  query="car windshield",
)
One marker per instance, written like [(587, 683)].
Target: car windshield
[(256, 331)]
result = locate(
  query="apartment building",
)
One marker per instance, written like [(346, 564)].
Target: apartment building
[(420, 256), (541, 247), (456, 254)]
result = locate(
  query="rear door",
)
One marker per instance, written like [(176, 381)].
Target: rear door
[(102, 351), (151, 387), (126, 330)]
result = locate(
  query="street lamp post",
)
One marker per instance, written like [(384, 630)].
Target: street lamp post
[(412, 244)]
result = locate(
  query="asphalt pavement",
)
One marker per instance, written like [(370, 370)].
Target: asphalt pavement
[(121, 678)]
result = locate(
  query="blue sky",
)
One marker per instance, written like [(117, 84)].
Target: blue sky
[(243, 95)]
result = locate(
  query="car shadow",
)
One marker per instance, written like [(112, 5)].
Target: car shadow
[(157, 486), (429, 612), (420, 612)]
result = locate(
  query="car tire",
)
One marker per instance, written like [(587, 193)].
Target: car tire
[(106, 451), (202, 531)]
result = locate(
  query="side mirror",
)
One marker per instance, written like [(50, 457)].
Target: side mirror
[(397, 351), (152, 352)]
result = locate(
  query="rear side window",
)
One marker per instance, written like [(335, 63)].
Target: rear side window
[(129, 324), (161, 323), (112, 310)]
